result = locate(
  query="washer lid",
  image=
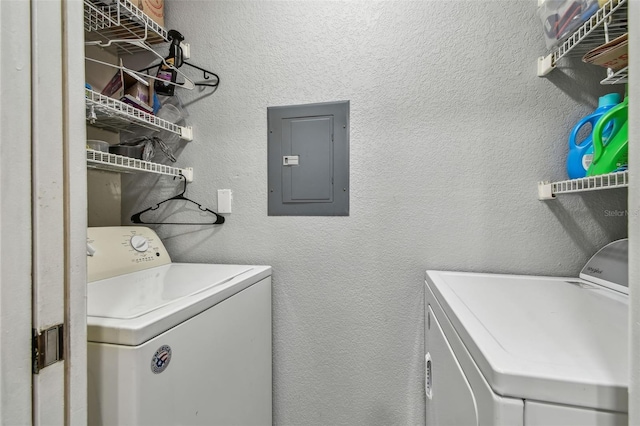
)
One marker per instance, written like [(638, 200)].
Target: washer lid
[(560, 340), (132, 295), (132, 308)]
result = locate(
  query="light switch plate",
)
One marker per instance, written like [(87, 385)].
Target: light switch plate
[(225, 197)]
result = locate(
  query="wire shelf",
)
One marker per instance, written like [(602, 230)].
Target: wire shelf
[(549, 190), (111, 114), (108, 21), (608, 23), (618, 77), (119, 163)]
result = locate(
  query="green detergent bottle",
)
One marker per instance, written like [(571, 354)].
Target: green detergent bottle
[(613, 154)]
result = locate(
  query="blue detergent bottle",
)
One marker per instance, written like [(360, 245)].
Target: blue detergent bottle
[(581, 152)]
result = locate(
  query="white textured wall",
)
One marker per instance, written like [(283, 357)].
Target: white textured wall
[(450, 131)]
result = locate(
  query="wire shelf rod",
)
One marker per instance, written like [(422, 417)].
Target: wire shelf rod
[(119, 163), (106, 112), (549, 190)]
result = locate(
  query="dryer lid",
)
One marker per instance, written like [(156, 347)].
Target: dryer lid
[(550, 339)]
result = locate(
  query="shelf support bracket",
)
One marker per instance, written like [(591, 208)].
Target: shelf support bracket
[(186, 133), (545, 192), (545, 65), (186, 50), (188, 174)]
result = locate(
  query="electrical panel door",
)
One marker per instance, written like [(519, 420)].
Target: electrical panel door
[(308, 160)]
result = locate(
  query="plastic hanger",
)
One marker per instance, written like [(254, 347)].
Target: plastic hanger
[(144, 45), (206, 74), (219, 219), (179, 61), (188, 84)]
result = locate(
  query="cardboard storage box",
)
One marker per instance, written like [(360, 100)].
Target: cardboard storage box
[(614, 55), (131, 89), (154, 10)]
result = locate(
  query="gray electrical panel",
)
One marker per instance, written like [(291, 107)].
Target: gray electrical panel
[(308, 159)]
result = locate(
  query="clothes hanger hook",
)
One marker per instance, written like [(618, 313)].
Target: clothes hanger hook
[(184, 182)]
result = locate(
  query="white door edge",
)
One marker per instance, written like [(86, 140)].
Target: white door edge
[(15, 214)]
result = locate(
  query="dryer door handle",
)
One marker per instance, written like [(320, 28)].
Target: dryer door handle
[(428, 375)]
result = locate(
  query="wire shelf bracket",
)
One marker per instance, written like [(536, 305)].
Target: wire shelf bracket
[(549, 190), (119, 163), (617, 77)]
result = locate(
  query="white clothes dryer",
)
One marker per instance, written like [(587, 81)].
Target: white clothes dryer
[(528, 350), (174, 343)]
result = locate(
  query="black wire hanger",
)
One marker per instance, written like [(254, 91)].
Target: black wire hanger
[(179, 61), (219, 219), (206, 74)]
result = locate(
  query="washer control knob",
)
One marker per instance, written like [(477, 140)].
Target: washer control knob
[(139, 243)]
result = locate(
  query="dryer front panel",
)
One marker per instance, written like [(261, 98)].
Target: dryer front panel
[(449, 398)]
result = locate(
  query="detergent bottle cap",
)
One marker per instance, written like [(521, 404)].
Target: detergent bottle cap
[(609, 99)]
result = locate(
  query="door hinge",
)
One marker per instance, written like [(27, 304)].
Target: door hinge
[(47, 347)]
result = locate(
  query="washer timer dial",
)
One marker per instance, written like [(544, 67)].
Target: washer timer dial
[(139, 243)]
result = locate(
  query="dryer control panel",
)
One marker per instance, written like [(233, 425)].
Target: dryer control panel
[(118, 250), (609, 266)]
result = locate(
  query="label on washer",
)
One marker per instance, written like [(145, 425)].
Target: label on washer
[(161, 359)]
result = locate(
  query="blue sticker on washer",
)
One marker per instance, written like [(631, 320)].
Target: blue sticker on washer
[(161, 359)]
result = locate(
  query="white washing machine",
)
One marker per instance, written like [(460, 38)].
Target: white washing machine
[(528, 350), (174, 343)]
